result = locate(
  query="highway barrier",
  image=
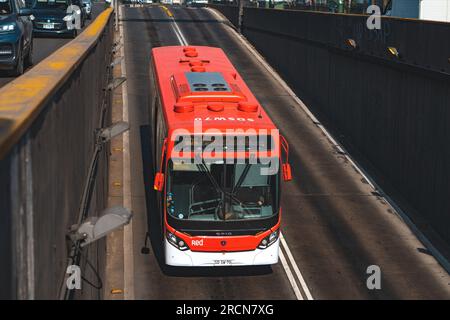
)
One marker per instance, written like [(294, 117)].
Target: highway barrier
[(48, 123), (231, 12), (384, 93)]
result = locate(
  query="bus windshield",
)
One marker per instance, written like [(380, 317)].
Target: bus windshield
[(221, 192)]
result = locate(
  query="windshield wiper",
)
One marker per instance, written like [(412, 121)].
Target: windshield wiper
[(219, 208), (223, 194), (241, 178), (238, 185)]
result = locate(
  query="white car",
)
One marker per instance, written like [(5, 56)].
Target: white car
[(197, 3)]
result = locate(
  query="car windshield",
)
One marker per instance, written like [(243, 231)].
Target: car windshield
[(219, 191), (5, 7), (50, 4)]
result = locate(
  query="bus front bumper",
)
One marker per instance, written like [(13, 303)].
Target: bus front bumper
[(188, 258)]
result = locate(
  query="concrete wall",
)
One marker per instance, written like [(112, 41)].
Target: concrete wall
[(43, 175)]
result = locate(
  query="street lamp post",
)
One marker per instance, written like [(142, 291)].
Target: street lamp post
[(116, 9), (241, 13)]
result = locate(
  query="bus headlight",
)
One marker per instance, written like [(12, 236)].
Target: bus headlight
[(269, 240), (176, 242)]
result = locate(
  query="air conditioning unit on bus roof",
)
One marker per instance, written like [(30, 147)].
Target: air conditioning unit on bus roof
[(206, 87)]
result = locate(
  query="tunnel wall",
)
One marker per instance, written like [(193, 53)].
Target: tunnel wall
[(47, 143), (231, 12), (392, 113)]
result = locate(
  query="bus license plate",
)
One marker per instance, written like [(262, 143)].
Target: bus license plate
[(223, 262)]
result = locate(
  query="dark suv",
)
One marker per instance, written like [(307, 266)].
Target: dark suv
[(57, 17), (16, 36)]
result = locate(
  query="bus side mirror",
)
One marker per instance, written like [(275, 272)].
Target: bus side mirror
[(159, 181), (287, 173), (285, 167)]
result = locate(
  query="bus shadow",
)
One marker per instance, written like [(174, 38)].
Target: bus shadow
[(153, 218), (237, 271), (154, 222)]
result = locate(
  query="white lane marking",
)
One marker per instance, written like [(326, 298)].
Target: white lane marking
[(181, 39), (296, 268), (128, 257), (443, 261), (178, 34), (177, 30), (290, 276), (181, 34)]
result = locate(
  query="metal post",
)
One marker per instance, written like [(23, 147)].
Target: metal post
[(116, 11), (22, 219), (240, 15)]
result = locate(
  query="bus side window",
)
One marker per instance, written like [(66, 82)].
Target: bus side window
[(154, 124), (160, 136)]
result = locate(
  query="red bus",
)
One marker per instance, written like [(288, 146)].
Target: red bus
[(218, 162)]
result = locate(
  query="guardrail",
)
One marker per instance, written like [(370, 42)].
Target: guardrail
[(384, 93), (48, 120)]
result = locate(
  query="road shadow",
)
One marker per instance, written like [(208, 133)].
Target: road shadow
[(212, 21), (154, 227), (5, 77), (237, 271), (153, 218)]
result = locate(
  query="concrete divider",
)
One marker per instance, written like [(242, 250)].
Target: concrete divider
[(48, 120), (231, 12)]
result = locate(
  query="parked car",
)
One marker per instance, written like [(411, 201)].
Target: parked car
[(87, 6), (58, 17), (16, 36)]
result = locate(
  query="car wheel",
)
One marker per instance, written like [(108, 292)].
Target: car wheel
[(18, 69), (29, 57)]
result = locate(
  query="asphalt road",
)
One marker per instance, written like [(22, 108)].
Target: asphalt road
[(43, 47), (334, 225)]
